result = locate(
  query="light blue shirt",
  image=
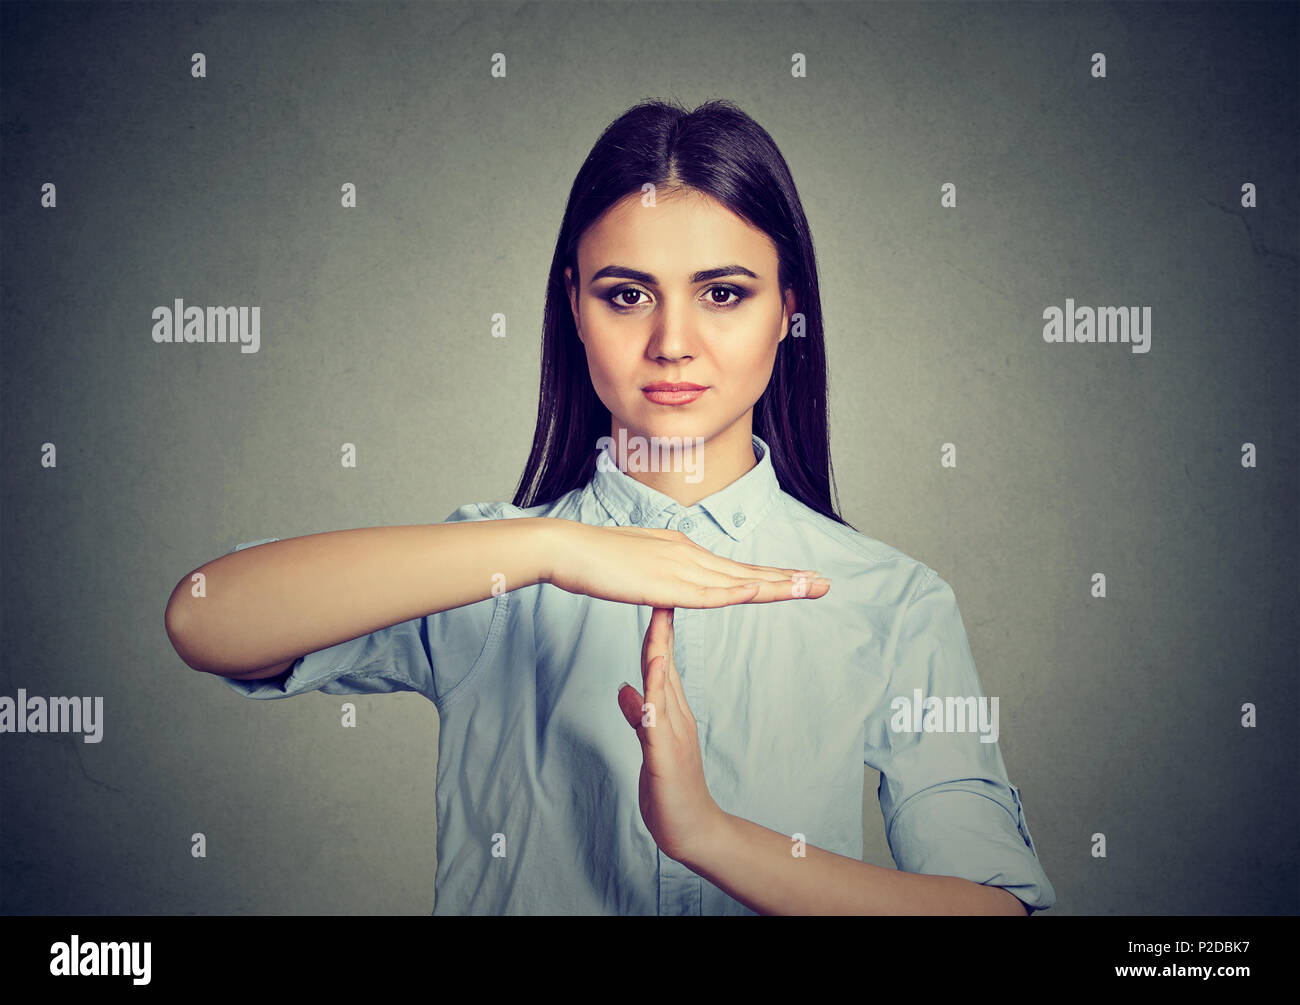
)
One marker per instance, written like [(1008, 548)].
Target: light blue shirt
[(791, 698)]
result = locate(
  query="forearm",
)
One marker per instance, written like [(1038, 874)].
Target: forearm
[(755, 866), (281, 600)]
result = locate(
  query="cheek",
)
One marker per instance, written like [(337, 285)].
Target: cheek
[(755, 368), (609, 366)]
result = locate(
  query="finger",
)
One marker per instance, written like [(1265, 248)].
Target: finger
[(676, 695), (798, 587), (705, 595), (746, 571), (662, 618), (629, 703), (654, 710), (656, 636), (709, 570), (676, 710), (635, 710), (655, 651), (682, 717)]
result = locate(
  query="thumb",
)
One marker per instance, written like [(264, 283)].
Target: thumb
[(629, 703)]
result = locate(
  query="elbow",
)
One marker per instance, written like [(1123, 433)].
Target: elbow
[(1013, 905), (176, 622)]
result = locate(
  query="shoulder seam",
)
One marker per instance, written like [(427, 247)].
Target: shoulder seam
[(850, 538)]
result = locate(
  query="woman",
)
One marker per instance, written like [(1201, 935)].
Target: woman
[(679, 486)]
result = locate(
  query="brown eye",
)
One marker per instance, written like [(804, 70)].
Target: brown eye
[(738, 293), (614, 298)]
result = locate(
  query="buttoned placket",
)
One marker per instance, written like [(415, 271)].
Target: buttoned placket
[(681, 891)]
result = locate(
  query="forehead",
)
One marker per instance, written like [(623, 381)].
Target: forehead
[(685, 231)]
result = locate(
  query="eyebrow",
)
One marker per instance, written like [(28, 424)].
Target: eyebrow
[(623, 272)]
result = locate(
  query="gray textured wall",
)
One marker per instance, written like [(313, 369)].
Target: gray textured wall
[(1119, 716)]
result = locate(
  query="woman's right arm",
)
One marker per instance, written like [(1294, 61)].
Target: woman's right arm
[(265, 606)]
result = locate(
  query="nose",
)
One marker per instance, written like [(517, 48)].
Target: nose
[(673, 336)]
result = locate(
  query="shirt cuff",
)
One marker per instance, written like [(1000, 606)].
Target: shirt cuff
[(974, 836)]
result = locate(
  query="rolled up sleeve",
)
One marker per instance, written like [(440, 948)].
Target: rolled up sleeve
[(431, 655), (948, 806)]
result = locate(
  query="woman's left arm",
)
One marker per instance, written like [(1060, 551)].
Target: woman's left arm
[(751, 863), (757, 866)]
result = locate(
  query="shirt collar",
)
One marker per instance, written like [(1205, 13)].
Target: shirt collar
[(736, 508)]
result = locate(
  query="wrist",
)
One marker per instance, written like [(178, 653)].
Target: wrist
[(710, 844), (550, 540)]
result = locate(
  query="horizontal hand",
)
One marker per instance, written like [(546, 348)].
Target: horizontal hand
[(664, 569)]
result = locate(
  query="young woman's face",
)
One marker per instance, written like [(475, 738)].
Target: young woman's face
[(646, 313)]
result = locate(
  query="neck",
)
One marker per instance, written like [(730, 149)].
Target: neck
[(686, 469)]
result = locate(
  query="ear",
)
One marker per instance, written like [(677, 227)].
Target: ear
[(572, 293), (789, 313)]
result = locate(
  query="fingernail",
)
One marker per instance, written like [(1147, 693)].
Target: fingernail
[(621, 686)]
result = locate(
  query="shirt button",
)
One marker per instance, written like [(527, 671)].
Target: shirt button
[(737, 519), (686, 525)]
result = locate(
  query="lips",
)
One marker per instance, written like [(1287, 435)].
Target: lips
[(670, 393)]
